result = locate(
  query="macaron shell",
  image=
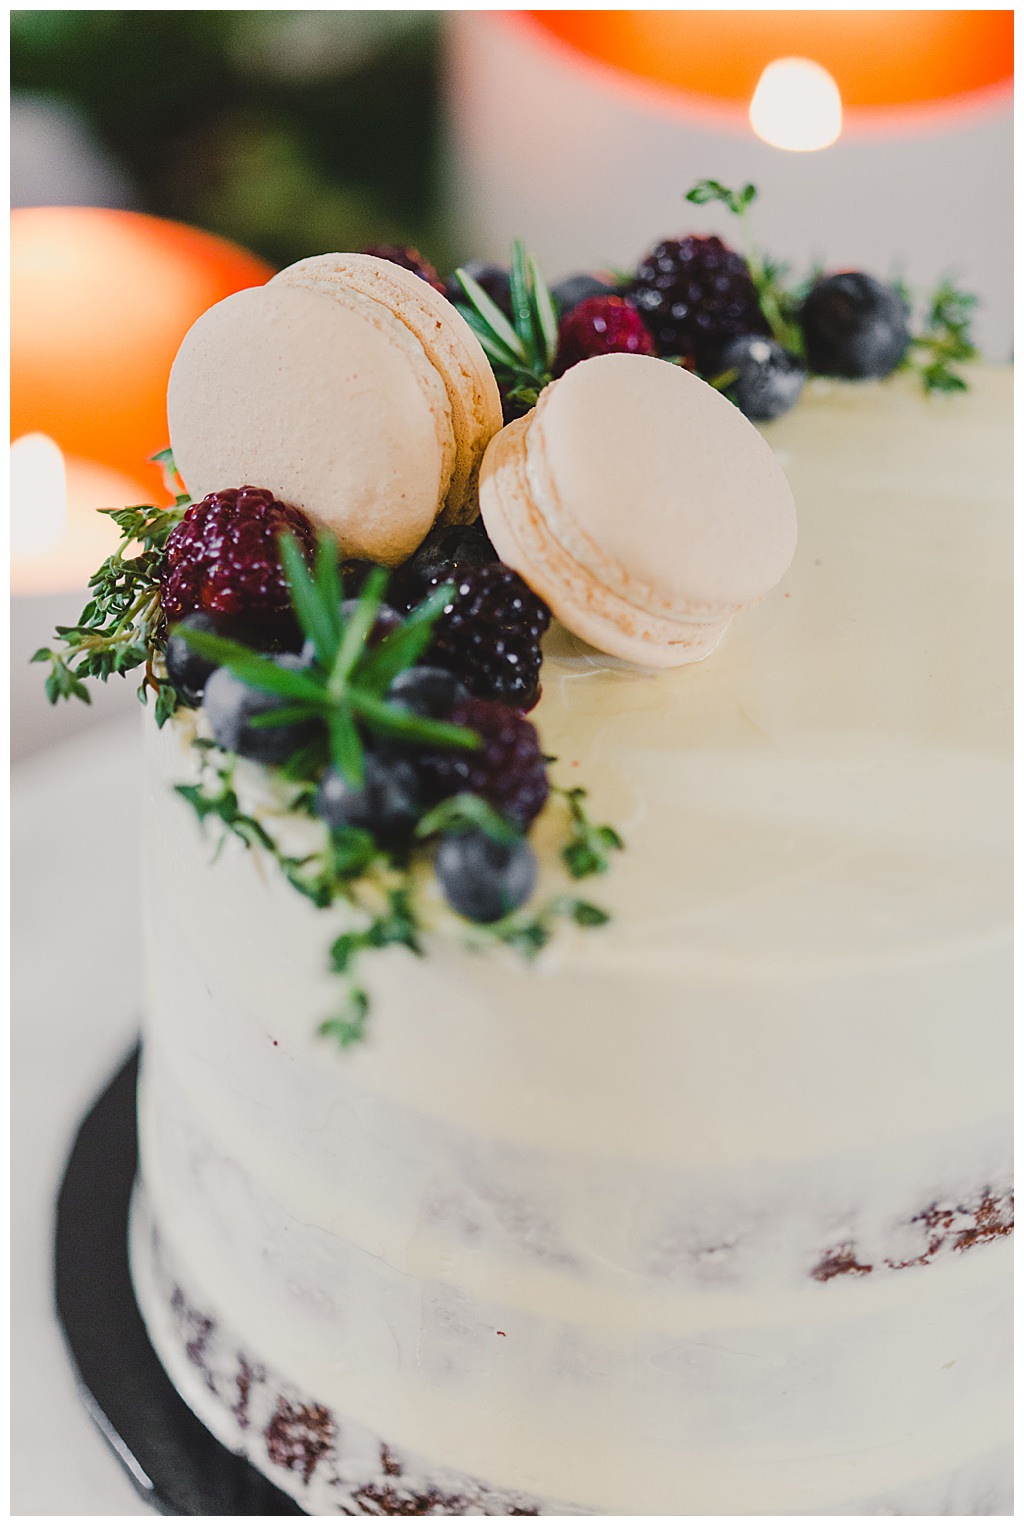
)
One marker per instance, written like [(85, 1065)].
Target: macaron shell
[(333, 406), (523, 541), (660, 488), (447, 340)]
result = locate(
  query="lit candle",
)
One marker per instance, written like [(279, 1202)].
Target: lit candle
[(797, 106), (628, 109)]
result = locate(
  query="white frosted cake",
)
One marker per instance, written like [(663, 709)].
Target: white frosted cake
[(705, 1211)]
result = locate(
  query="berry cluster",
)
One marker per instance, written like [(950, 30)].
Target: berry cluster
[(490, 631), (472, 669), (729, 316)]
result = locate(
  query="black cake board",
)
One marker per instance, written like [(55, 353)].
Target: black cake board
[(174, 1462)]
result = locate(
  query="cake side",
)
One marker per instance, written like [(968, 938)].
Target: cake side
[(733, 1187)]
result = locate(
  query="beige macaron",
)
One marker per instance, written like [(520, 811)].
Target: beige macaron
[(448, 341), (641, 505), (341, 397)]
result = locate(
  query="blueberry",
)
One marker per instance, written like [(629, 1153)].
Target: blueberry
[(769, 379), (854, 326), (493, 278), (230, 705), (386, 804), (188, 671), (574, 289), (429, 691), (483, 879)]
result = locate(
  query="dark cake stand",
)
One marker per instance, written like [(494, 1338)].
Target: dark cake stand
[(171, 1458)]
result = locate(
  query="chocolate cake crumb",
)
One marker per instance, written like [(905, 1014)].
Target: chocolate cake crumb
[(383, 1499), (992, 1218), (244, 1380), (962, 1227), (197, 1329), (840, 1262), (298, 1436)]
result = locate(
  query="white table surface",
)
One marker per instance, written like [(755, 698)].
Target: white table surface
[(75, 992)]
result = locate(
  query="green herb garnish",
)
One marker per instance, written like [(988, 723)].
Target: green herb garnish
[(522, 352), (589, 846), (944, 341), (121, 626), (345, 688)]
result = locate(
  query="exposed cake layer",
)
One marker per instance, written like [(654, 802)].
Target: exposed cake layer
[(706, 1212), (334, 1464)]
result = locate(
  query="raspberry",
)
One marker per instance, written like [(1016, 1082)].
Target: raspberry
[(409, 259), (601, 325), (490, 633), (222, 559), (509, 770), (695, 294)]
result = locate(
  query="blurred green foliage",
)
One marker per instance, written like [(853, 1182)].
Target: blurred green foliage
[(290, 131)]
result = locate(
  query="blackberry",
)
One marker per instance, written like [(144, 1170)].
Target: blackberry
[(604, 325), (445, 553), (695, 294), (854, 326), (483, 879), (489, 635), (223, 560), (508, 770), (768, 378), (409, 259)]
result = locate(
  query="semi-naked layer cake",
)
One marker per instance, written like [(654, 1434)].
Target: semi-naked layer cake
[(707, 1212)]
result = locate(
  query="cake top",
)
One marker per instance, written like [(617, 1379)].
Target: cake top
[(350, 658)]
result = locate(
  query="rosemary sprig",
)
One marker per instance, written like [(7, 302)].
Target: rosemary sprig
[(345, 687), (522, 352)]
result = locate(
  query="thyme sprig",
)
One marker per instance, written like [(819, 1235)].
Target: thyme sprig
[(350, 868), (589, 846), (378, 888), (529, 932), (780, 303), (521, 351), (943, 343), (121, 626)]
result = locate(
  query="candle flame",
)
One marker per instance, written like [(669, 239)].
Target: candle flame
[(797, 106), (39, 495)]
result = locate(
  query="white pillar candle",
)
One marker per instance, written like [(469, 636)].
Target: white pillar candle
[(590, 169)]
